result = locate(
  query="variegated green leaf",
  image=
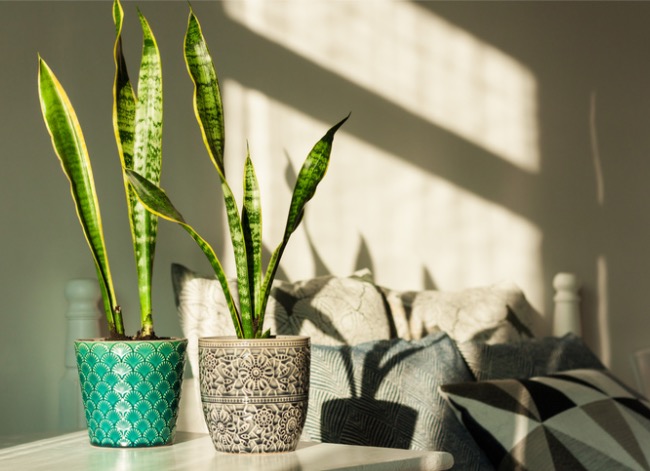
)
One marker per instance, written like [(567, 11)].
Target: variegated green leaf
[(252, 226), (207, 96), (147, 159), (70, 147), (156, 201), (123, 96), (312, 172), (209, 113), (138, 131), (147, 156)]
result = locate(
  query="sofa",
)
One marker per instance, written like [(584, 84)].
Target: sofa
[(458, 371)]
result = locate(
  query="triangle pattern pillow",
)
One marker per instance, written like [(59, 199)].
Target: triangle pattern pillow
[(575, 420)]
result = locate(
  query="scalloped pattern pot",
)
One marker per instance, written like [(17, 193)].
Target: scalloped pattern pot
[(131, 390)]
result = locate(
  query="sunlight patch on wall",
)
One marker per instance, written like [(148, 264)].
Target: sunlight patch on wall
[(415, 59), (603, 311), (595, 151), (412, 222)]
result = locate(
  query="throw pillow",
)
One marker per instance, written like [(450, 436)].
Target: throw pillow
[(331, 310), (529, 357), (494, 314), (576, 420), (384, 393)]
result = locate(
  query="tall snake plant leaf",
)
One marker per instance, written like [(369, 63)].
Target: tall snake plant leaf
[(252, 226), (209, 113), (312, 172), (138, 130), (207, 103), (156, 200), (69, 144), (310, 175)]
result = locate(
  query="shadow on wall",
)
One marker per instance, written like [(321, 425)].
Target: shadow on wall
[(362, 419), (363, 259), (423, 177)]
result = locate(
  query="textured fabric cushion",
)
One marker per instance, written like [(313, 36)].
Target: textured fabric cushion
[(494, 314), (575, 420), (329, 309), (530, 357), (384, 393)]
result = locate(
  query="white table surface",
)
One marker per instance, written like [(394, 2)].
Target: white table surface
[(195, 452)]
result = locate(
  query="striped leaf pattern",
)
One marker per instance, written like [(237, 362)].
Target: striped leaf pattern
[(156, 200), (123, 96), (70, 147), (207, 96), (245, 230), (209, 113), (138, 131), (252, 226)]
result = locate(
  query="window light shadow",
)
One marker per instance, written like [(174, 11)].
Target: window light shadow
[(410, 220), (443, 73)]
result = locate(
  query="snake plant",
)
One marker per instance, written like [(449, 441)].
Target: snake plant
[(245, 228), (137, 123)]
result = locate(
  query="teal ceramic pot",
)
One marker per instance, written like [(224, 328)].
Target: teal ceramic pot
[(131, 390), (254, 392)]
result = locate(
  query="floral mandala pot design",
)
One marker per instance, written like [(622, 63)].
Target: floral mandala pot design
[(131, 390), (254, 392)]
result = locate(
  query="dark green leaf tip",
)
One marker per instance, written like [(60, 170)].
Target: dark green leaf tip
[(336, 127)]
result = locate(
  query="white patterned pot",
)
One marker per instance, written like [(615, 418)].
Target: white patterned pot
[(254, 392)]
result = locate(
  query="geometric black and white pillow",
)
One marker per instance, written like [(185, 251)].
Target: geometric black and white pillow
[(575, 420)]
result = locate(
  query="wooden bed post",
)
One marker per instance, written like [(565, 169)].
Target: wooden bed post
[(566, 315), (82, 322)]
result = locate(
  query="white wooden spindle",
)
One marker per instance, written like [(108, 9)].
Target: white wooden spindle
[(566, 316), (82, 318)]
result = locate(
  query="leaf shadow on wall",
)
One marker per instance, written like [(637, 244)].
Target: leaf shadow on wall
[(363, 419), (364, 257)]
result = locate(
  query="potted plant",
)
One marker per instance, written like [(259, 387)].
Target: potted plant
[(130, 385), (239, 376)]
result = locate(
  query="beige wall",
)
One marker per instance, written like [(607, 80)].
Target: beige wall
[(470, 156)]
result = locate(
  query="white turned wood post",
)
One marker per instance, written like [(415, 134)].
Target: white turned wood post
[(566, 316), (82, 317)]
